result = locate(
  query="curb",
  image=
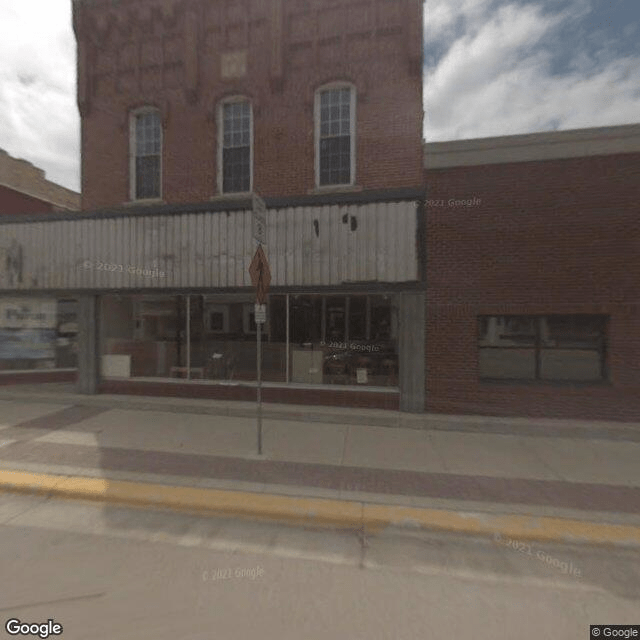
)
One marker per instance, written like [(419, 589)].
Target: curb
[(320, 512)]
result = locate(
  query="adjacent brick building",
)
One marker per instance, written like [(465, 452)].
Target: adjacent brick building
[(543, 230), (491, 276), (25, 190)]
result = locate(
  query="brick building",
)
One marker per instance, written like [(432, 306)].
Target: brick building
[(37, 334), (533, 297), (266, 62), (25, 190), (190, 109), (494, 276)]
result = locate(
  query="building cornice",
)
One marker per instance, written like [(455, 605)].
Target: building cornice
[(575, 143)]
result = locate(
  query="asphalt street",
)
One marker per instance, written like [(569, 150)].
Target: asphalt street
[(142, 574)]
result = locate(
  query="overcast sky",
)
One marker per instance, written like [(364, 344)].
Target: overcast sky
[(492, 67)]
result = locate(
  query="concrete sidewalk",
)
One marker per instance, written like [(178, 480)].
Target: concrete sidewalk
[(530, 482), (65, 394)]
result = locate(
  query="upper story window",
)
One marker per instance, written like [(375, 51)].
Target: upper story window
[(335, 135), (235, 150), (146, 154)]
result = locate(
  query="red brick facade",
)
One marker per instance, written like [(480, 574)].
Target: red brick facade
[(172, 55), (553, 236), (285, 395), (13, 202)]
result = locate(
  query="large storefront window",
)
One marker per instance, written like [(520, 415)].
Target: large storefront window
[(331, 339), (38, 333), (196, 337), (351, 340)]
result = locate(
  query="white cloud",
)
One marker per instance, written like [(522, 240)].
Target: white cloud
[(37, 87), (493, 76), (441, 16), (495, 79)]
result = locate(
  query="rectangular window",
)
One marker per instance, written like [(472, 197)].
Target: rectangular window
[(568, 348), (335, 144), (236, 147), (148, 151)]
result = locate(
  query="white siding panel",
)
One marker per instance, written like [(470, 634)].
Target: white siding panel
[(224, 247), (214, 249), (67, 249), (216, 260), (332, 219), (207, 249), (249, 248), (174, 250), (200, 250), (195, 262), (289, 219), (112, 254)]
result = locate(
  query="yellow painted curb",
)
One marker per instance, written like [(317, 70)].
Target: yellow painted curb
[(516, 527), (292, 510), (320, 512)]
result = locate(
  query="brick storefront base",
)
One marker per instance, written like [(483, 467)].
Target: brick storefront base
[(578, 403), (286, 395), (35, 377)]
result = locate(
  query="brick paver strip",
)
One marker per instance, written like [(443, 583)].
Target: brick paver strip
[(63, 417), (586, 496)]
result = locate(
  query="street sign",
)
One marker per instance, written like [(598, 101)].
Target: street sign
[(260, 312), (259, 220), (260, 275)]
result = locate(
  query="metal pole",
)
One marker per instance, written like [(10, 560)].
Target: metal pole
[(259, 386)]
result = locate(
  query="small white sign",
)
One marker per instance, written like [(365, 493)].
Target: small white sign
[(260, 313), (25, 313), (361, 376)]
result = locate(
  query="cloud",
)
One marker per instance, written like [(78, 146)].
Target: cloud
[(37, 87), (502, 76), (493, 67)]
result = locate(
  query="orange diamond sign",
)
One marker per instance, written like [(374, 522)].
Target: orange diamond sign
[(260, 275)]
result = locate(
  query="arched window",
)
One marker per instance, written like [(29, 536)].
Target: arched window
[(335, 110), (235, 146), (145, 154)]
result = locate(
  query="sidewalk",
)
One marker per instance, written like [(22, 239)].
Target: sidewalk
[(540, 479)]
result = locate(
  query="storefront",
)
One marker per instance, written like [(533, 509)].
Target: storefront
[(313, 339), (38, 334), (165, 303)]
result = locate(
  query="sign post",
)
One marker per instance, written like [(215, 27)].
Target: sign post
[(261, 278)]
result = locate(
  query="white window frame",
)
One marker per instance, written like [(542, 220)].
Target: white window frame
[(220, 128), (133, 152), (352, 132)]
